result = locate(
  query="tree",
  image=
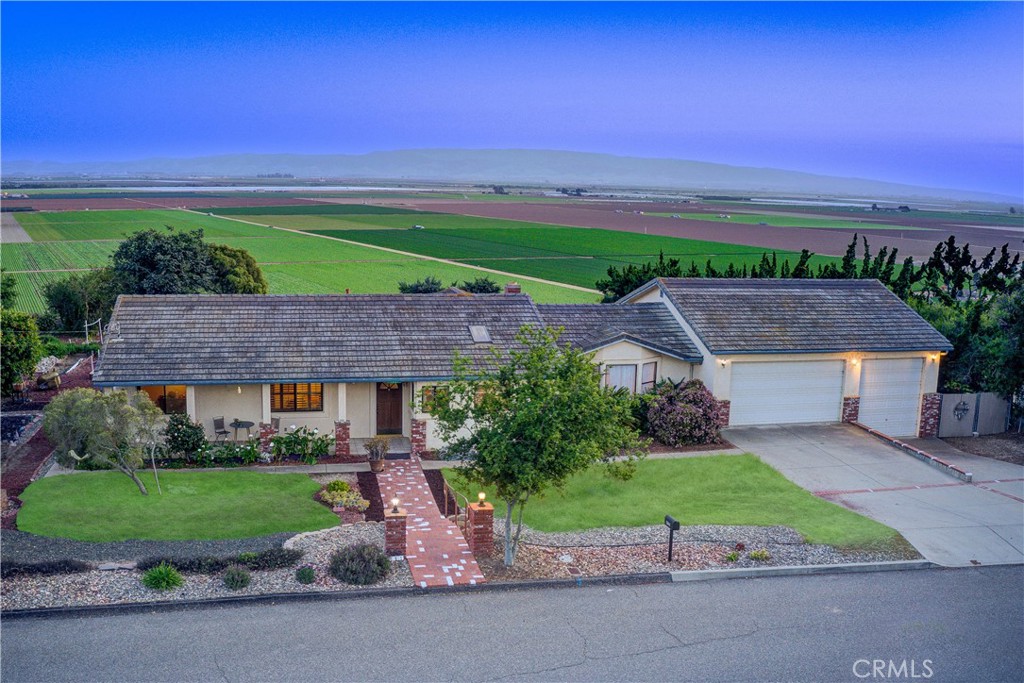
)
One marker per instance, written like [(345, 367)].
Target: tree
[(82, 297), (1004, 349), (481, 285), (531, 420), (235, 271), (619, 283), (428, 285), (169, 262), (20, 347), (118, 428), (8, 293)]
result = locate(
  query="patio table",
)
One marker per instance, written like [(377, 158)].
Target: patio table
[(242, 424)]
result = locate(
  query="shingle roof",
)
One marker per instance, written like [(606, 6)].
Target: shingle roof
[(778, 316), (591, 326), (214, 339)]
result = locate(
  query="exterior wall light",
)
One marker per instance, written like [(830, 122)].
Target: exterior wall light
[(239, 388), (934, 357), (394, 505), (854, 361), (723, 363)]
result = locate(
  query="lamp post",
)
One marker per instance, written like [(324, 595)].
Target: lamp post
[(394, 505)]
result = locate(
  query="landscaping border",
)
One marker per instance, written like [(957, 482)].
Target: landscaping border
[(923, 456), (530, 584)]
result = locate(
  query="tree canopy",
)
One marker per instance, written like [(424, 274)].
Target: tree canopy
[(235, 271), (20, 347), (532, 421)]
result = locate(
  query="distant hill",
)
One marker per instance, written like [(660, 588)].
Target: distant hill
[(504, 166)]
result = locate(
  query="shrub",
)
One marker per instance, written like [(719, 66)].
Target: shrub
[(338, 486), (740, 546), (162, 577), (305, 575), (360, 565), (304, 442), (759, 555), (52, 346), (11, 569), (189, 565), (349, 500), (184, 436), (237, 578), (732, 557), (274, 558), (686, 413)]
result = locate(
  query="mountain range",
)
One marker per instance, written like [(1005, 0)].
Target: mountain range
[(503, 166)]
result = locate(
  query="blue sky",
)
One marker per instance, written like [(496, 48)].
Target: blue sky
[(923, 93)]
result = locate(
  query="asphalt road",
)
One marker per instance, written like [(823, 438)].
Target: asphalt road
[(954, 624)]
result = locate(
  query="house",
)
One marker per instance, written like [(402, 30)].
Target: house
[(773, 351)]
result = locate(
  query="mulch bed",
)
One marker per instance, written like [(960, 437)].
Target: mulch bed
[(370, 490), (435, 480), (37, 400), (1008, 447)]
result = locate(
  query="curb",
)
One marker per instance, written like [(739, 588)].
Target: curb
[(801, 570), (503, 586), (923, 456)]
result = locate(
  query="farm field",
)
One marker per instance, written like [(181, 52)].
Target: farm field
[(294, 263), (788, 221)]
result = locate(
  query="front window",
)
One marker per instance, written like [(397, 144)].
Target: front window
[(647, 377), (430, 396), (622, 377), (295, 398), (169, 398)]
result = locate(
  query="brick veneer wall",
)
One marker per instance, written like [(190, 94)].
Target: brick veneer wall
[(931, 409), (723, 406), (267, 432), (394, 532), (851, 408), (418, 437), (342, 438), (480, 528)]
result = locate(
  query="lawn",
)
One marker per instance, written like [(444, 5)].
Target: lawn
[(107, 506), (724, 489)]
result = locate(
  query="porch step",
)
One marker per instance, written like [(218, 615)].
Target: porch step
[(397, 456)]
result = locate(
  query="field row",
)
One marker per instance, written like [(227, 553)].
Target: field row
[(789, 221)]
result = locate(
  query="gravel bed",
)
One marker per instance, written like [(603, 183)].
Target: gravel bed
[(751, 536), (125, 586), (24, 547)]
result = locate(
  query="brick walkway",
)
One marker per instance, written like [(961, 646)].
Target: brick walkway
[(437, 552)]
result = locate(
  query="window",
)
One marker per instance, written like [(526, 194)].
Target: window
[(294, 398), (430, 394), (622, 377), (480, 334), (648, 377), (169, 398)]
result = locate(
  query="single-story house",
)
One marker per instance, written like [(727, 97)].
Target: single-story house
[(774, 351)]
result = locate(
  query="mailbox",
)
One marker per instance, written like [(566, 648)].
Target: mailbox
[(671, 522)]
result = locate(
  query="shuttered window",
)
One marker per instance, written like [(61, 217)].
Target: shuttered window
[(296, 398)]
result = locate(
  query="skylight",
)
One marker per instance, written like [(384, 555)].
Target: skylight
[(480, 334)]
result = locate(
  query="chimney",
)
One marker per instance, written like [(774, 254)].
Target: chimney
[(513, 288)]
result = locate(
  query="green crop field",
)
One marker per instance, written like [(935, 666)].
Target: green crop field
[(325, 209), (294, 263), (115, 225), (578, 256), (788, 221), (433, 221)]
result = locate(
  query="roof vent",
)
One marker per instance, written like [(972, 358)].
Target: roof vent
[(480, 334)]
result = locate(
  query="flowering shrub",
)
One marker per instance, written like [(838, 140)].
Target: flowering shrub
[(304, 442), (686, 413), (184, 436), (350, 500)]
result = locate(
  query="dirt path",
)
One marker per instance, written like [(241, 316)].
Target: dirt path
[(11, 231), (514, 276)]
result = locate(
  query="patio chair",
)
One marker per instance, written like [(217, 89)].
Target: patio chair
[(275, 422), (219, 430)]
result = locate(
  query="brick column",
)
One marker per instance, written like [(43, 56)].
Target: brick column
[(342, 436), (931, 408), (851, 408), (419, 437), (266, 432), (480, 528), (394, 532), (723, 419)]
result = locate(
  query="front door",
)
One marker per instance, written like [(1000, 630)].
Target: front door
[(389, 408)]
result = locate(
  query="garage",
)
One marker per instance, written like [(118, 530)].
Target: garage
[(890, 395), (786, 392)]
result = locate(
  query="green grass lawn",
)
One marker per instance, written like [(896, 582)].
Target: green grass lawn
[(723, 489), (107, 506)]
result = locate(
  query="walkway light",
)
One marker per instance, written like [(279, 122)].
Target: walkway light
[(482, 496), (394, 505)]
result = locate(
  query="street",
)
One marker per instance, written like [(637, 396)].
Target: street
[(939, 625)]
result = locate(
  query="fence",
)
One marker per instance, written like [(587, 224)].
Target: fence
[(966, 414)]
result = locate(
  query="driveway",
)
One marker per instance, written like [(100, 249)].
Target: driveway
[(950, 522)]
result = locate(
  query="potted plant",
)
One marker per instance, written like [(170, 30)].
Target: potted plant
[(376, 448)]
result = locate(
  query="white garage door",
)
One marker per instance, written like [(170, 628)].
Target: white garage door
[(779, 393), (890, 395)]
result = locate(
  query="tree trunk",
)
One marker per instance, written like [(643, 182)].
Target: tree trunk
[(156, 477), (135, 478), (509, 556)]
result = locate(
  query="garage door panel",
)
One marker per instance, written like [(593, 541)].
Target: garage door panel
[(786, 392), (890, 395)]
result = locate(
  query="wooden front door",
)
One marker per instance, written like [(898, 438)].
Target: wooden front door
[(389, 408)]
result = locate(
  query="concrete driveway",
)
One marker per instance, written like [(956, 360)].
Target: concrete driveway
[(951, 523)]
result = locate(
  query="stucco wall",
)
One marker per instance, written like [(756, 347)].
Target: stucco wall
[(359, 413), (626, 353), (214, 400)]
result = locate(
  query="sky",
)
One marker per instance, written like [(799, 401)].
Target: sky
[(920, 93)]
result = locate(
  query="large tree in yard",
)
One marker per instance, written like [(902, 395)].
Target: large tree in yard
[(118, 428), (20, 348), (531, 420)]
